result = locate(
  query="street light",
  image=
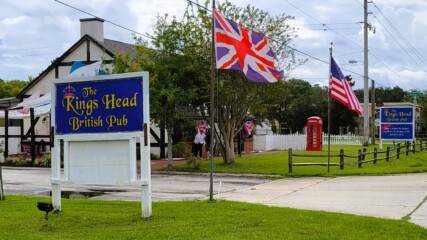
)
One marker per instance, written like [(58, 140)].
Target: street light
[(372, 122)]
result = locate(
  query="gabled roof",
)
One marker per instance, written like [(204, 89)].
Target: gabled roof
[(117, 47), (8, 102), (111, 47)]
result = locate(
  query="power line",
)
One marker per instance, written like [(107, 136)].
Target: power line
[(348, 23), (342, 37), (323, 29), (323, 61), (29, 55), (402, 37), (344, 54), (392, 36), (115, 24), (379, 60), (25, 49), (200, 6), (308, 15)]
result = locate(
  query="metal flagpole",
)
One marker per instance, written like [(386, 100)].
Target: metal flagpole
[(212, 103), (329, 108), (1, 184)]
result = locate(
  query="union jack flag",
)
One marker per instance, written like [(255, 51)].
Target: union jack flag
[(241, 49), (340, 89)]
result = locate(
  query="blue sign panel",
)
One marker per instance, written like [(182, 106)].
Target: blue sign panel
[(99, 106), (397, 115), (397, 123), (397, 131)]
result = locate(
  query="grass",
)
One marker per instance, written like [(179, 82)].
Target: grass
[(277, 163), (94, 219)]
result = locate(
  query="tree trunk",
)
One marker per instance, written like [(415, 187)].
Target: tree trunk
[(229, 152), (169, 148), (228, 138), (1, 185)]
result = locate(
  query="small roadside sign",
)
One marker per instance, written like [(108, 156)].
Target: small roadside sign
[(415, 94)]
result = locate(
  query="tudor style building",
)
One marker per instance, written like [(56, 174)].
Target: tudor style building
[(90, 48)]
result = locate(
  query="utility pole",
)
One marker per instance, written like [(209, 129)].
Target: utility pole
[(373, 127), (365, 75)]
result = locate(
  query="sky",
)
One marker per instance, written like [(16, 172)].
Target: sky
[(35, 32)]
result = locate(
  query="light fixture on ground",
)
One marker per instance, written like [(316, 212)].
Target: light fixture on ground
[(45, 207)]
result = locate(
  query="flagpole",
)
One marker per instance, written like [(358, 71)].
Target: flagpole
[(212, 104), (329, 108)]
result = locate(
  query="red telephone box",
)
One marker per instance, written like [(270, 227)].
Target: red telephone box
[(314, 133)]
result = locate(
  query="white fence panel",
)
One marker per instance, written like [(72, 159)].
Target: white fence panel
[(347, 139), (259, 142), (299, 141), (279, 142), (14, 143)]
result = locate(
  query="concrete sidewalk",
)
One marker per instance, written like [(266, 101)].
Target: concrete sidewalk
[(392, 196)]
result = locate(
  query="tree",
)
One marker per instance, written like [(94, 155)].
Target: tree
[(180, 70), (173, 84), (300, 107), (395, 94), (238, 96), (11, 88), (422, 101), (305, 101), (297, 100)]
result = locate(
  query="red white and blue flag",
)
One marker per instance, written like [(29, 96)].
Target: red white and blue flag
[(340, 89), (241, 49)]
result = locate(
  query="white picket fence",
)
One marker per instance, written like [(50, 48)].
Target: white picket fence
[(298, 141)]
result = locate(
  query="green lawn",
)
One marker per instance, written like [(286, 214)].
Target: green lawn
[(93, 219), (277, 163)]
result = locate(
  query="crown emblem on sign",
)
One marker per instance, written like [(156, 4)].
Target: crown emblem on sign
[(69, 92)]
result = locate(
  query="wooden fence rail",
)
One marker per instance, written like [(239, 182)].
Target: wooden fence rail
[(362, 156)]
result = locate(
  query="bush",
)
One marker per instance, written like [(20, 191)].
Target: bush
[(181, 150), (46, 161), (194, 163), (21, 163)]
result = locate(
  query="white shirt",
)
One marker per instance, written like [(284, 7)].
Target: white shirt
[(200, 138)]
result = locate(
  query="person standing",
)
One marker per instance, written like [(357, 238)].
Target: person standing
[(199, 141), (208, 142)]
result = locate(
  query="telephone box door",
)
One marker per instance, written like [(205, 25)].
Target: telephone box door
[(314, 133)]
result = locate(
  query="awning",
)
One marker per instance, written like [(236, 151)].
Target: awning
[(41, 110), (41, 104)]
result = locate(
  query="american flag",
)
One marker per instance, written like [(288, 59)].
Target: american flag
[(241, 49), (340, 89)]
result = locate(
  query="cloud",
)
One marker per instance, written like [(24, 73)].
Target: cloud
[(19, 66), (48, 23), (14, 20), (147, 11)]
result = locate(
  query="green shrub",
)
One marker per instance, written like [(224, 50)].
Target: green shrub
[(21, 163), (46, 161), (181, 150), (194, 163), (154, 157)]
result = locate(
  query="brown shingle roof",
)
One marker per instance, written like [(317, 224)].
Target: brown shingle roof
[(117, 47)]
